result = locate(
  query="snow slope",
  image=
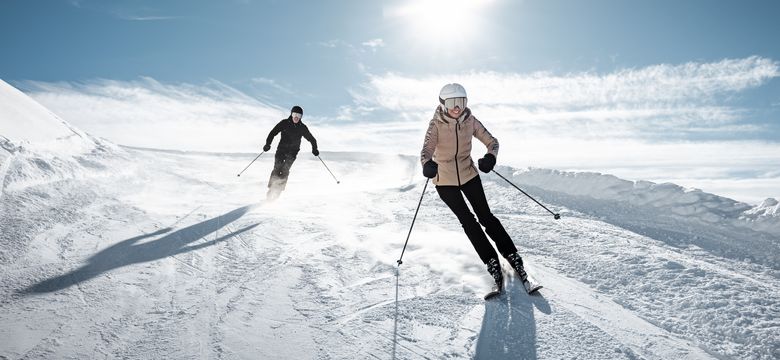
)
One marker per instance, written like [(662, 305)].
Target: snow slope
[(133, 253), (187, 260)]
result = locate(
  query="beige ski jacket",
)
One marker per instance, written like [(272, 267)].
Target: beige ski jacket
[(448, 143)]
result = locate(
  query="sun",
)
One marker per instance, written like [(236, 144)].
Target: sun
[(441, 24)]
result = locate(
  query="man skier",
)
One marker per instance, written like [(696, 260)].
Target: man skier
[(292, 129), (446, 157)]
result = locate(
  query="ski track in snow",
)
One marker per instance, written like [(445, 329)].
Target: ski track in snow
[(185, 260)]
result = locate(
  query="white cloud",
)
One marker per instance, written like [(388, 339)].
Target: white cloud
[(660, 84), (272, 83), (147, 18), (373, 44), (334, 43), (648, 102)]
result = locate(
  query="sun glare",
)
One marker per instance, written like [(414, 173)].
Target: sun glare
[(441, 24)]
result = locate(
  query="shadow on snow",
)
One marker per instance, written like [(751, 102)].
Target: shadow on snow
[(508, 327), (127, 252)]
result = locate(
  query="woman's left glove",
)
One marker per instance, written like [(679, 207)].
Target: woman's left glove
[(487, 163), (315, 152), (430, 169)]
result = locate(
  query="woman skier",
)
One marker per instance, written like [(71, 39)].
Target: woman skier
[(446, 158)]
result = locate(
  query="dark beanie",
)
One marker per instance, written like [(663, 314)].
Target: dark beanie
[(297, 109)]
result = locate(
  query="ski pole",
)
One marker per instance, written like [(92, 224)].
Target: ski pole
[(250, 164), (556, 216), (331, 172), (413, 219)]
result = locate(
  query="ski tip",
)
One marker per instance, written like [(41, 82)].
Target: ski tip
[(492, 294), (535, 290)]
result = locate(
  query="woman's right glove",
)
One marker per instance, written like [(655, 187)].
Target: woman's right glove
[(266, 147), (430, 169)]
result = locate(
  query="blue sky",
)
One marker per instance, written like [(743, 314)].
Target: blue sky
[(687, 80)]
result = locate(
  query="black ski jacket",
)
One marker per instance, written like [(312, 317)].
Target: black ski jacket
[(290, 141)]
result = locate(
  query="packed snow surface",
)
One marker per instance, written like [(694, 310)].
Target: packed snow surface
[(109, 252)]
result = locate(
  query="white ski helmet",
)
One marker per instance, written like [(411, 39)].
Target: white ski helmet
[(453, 96), (451, 91)]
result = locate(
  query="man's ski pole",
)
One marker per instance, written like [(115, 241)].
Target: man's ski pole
[(413, 219), (250, 164), (331, 172), (555, 215)]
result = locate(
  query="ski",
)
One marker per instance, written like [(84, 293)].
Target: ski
[(493, 293), (531, 287)]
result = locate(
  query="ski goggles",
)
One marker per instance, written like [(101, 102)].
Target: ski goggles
[(452, 103), (297, 115)]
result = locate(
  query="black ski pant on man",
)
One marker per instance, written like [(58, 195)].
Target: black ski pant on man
[(282, 163), (451, 195)]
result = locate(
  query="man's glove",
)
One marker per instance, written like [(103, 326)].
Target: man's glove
[(430, 169), (315, 152), (487, 163), (266, 147)]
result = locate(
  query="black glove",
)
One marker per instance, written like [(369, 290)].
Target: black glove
[(315, 152), (266, 147), (487, 163), (430, 169)]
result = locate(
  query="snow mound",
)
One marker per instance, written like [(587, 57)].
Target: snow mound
[(40, 155), (681, 216), (24, 123), (675, 199), (37, 146)]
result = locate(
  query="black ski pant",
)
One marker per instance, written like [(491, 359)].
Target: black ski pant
[(451, 195), (282, 163)]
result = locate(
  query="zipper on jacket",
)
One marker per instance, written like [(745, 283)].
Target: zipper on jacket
[(457, 171)]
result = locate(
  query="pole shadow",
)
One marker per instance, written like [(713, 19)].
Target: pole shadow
[(508, 327), (127, 252), (395, 322)]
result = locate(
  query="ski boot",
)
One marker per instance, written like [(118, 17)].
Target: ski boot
[(517, 263), (494, 268), (273, 192)]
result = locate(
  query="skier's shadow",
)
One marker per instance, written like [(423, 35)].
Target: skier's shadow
[(127, 252), (509, 328)]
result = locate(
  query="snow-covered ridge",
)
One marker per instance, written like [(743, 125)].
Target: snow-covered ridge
[(768, 207), (37, 146), (24, 123), (665, 212), (672, 198)]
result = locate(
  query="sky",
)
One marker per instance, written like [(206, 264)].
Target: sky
[(686, 92)]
